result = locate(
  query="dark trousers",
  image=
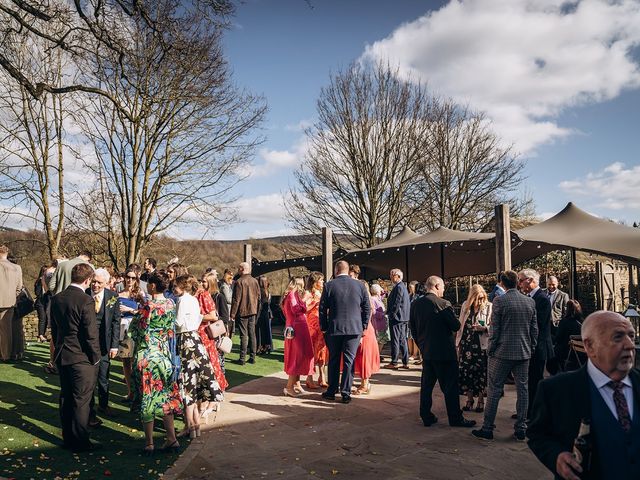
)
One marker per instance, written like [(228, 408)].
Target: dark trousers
[(77, 383), (42, 309), (536, 374), (345, 347), (446, 374), (247, 327), (399, 348), (103, 384)]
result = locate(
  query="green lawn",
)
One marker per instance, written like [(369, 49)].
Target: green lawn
[(30, 426)]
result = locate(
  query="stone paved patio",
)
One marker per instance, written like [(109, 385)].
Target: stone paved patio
[(260, 434)]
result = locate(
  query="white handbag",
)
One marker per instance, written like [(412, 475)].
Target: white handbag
[(225, 344)]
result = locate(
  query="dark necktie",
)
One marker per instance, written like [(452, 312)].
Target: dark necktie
[(620, 401)]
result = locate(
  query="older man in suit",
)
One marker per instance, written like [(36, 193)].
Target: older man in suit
[(398, 306), (606, 391), (529, 283), (344, 314), (514, 333), (10, 286), (558, 300), (107, 310), (433, 326), (77, 353)]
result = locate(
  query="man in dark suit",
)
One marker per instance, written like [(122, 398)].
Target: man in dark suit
[(344, 315), (433, 326), (398, 306), (606, 392), (529, 283), (107, 310), (512, 341), (77, 353)]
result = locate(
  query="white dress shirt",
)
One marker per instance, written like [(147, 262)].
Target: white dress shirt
[(188, 316), (600, 380)]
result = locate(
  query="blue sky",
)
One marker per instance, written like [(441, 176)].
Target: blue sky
[(574, 119)]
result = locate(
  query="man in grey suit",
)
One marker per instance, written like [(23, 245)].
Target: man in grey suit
[(11, 336), (344, 314), (512, 341), (558, 300), (61, 278)]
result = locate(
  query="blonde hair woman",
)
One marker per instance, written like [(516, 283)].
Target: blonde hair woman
[(472, 341), (298, 349)]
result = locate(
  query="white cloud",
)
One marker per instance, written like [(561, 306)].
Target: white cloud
[(521, 61), (301, 126), (263, 209), (275, 160), (615, 187)]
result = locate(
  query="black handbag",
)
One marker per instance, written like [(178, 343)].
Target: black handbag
[(24, 303)]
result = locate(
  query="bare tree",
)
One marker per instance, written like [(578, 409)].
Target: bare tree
[(466, 171), (33, 148), (172, 149), (87, 29), (359, 175)]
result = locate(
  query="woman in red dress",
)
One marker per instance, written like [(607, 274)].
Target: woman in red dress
[(210, 314), (298, 351), (315, 284), (367, 361)]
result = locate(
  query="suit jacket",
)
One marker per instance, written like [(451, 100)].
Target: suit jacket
[(245, 301), (398, 304), (108, 319), (10, 283), (561, 402), (544, 346), (558, 305), (61, 278), (74, 327), (433, 326), (514, 331), (344, 307)]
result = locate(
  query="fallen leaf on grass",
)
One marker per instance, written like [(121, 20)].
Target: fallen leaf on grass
[(334, 472)]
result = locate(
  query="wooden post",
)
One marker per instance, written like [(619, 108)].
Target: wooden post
[(574, 275), (503, 238), (327, 253), (247, 253)]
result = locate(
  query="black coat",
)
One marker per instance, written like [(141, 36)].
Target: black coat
[(544, 347), (344, 307), (561, 402), (433, 326), (74, 327), (108, 319)]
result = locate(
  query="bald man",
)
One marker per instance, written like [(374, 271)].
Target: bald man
[(606, 391)]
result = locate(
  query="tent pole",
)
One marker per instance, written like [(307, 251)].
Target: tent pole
[(327, 253), (574, 274), (406, 264), (442, 260)]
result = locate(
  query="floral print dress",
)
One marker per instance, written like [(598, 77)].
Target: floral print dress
[(155, 388), (473, 360)]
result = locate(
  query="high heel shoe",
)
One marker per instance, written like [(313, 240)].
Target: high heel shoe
[(311, 385), (299, 390), (193, 432), (171, 447), (363, 391), (290, 393), (468, 406), (148, 450), (479, 408)]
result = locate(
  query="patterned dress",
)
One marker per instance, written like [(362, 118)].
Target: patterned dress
[(155, 390), (207, 306), (473, 360), (320, 350)]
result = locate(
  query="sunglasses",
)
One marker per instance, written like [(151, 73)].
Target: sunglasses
[(128, 277)]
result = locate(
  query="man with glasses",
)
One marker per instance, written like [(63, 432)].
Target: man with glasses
[(434, 325), (107, 308)]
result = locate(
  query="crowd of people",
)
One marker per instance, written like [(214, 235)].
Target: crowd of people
[(169, 328)]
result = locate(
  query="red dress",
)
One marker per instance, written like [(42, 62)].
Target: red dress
[(320, 350), (367, 361), (207, 306), (298, 351)]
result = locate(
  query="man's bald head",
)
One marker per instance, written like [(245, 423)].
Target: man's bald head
[(341, 268), (609, 342)]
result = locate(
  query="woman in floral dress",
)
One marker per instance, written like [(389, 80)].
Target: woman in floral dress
[(315, 284), (472, 340), (197, 380), (154, 367)]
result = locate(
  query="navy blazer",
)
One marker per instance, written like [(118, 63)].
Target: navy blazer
[(398, 304), (544, 347), (344, 307)]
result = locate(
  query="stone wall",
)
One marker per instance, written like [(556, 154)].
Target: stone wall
[(30, 325)]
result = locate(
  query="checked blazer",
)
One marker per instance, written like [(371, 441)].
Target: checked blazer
[(514, 329)]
